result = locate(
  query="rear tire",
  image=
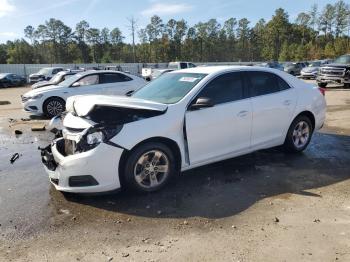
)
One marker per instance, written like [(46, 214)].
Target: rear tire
[(142, 167), (299, 135), (54, 106)]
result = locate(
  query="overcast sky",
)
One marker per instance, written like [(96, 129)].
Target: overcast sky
[(15, 15)]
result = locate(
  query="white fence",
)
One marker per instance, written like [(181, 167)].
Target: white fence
[(134, 68)]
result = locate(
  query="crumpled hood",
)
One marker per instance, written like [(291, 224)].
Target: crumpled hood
[(82, 105)]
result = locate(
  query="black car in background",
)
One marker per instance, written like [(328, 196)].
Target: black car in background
[(8, 80)]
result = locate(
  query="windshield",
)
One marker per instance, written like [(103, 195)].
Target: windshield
[(169, 88), (345, 59), (315, 64), (44, 71), (71, 80)]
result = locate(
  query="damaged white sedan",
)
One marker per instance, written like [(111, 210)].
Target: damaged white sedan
[(182, 120)]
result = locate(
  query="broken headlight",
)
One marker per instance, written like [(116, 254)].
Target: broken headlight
[(94, 138), (96, 135)]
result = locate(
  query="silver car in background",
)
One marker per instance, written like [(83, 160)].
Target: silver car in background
[(311, 71)]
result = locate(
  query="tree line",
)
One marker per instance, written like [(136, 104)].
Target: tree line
[(315, 34)]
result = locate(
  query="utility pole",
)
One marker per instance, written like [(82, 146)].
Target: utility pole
[(132, 27)]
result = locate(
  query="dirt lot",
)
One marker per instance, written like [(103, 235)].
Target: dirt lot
[(266, 206)]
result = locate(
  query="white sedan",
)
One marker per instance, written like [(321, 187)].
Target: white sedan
[(51, 100), (182, 120)]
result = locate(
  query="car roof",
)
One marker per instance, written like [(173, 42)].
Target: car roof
[(218, 69), (54, 67), (89, 72)]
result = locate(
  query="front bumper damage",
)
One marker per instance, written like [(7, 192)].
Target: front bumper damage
[(92, 171)]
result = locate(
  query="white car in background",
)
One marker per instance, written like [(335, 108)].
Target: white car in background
[(51, 100), (44, 74), (311, 71), (182, 120)]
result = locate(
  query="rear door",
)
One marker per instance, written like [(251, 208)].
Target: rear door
[(224, 128), (273, 102), (116, 83)]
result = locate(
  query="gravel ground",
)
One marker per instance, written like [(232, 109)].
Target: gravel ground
[(265, 206)]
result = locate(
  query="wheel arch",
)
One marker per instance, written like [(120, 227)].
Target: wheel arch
[(309, 115), (174, 147)]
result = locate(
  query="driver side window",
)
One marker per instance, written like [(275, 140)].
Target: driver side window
[(223, 89), (88, 80)]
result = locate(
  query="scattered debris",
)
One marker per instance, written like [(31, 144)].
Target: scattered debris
[(11, 120), (128, 220), (317, 220), (38, 127), (25, 119), (109, 259), (18, 132), (234, 227), (125, 254), (14, 157), (146, 240), (65, 211), (5, 103), (277, 219), (185, 222)]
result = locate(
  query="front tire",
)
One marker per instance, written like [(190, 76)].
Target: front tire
[(54, 106), (299, 135), (149, 167)]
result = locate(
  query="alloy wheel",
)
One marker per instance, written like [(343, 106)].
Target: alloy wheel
[(301, 134), (54, 108), (151, 169)]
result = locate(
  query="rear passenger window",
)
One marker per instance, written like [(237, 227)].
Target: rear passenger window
[(183, 65), (262, 83), (113, 78), (224, 88), (282, 84)]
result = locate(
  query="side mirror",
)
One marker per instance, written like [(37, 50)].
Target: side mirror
[(130, 93), (76, 84), (202, 102)]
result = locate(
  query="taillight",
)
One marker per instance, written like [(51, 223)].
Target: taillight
[(322, 90)]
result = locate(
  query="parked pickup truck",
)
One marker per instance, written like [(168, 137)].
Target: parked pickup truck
[(150, 73), (337, 72)]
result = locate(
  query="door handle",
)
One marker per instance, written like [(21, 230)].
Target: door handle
[(287, 102), (242, 113)]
